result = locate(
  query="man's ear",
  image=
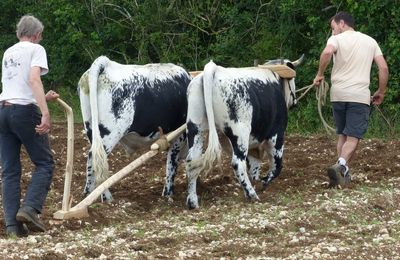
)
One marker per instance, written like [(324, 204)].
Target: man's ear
[(37, 37)]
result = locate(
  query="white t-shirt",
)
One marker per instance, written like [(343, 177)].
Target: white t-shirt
[(352, 61), (16, 65)]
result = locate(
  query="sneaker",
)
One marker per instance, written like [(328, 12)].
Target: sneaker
[(29, 216), (19, 230), (338, 176)]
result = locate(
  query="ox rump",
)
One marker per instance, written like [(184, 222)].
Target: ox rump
[(249, 106), (128, 104)]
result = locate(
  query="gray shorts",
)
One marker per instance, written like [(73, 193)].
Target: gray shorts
[(351, 118)]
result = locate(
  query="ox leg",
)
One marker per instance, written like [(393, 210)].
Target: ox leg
[(275, 154), (91, 182), (173, 156), (254, 167), (196, 123), (195, 141), (240, 143)]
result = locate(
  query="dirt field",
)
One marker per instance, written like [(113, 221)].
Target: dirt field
[(297, 217)]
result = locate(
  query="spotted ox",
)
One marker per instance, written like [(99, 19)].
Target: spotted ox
[(127, 104), (249, 106)]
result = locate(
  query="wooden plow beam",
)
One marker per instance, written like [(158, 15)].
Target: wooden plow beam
[(282, 70), (80, 210)]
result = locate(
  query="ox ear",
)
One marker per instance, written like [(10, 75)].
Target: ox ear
[(299, 61)]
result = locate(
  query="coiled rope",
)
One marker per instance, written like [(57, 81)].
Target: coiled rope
[(321, 93)]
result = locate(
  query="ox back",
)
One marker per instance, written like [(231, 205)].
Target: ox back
[(128, 104)]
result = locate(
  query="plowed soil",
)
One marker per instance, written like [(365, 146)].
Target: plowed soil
[(297, 216)]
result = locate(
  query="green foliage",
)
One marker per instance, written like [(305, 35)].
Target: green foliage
[(191, 32), (71, 98)]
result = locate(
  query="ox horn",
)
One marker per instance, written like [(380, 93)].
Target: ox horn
[(299, 61)]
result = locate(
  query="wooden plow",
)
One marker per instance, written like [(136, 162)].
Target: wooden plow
[(80, 210)]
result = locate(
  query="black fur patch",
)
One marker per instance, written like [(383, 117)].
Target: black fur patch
[(238, 151), (192, 130), (156, 103)]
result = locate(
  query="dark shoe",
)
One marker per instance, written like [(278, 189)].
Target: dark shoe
[(338, 176), (18, 230), (29, 216)]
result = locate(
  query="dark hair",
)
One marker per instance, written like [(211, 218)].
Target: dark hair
[(345, 16)]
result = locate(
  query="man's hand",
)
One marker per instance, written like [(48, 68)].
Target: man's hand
[(44, 126), (377, 98), (51, 95), (318, 80)]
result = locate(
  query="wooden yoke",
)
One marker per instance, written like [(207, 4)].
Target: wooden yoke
[(195, 73), (282, 70)]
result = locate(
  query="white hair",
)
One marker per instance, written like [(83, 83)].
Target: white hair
[(29, 26)]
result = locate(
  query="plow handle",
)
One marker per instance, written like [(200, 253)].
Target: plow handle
[(70, 155)]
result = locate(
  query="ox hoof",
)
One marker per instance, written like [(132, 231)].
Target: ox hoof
[(169, 199), (167, 193), (264, 185), (168, 196), (266, 182), (108, 201), (255, 177), (106, 197), (192, 202), (253, 197)]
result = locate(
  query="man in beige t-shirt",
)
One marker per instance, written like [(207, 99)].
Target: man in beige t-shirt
[(353, 53)]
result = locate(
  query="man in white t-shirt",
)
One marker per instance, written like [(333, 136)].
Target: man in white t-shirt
[(353, 54), (25, 120)]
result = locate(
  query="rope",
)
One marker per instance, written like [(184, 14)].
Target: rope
[(321, 93), (391, 128)]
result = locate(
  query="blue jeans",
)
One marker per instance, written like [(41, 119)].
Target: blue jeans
[(17, 128)]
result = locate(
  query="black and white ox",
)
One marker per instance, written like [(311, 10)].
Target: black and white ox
[(249, 106), (127, 104)]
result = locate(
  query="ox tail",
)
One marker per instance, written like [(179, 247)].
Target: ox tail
[(99, 156), (213, 151)]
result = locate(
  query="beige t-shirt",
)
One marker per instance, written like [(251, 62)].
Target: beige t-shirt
[(352, 61)]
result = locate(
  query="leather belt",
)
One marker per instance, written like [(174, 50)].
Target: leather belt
[(5, 103)]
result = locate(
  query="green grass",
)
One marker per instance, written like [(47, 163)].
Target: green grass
[(140, 233), (200, 225)]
